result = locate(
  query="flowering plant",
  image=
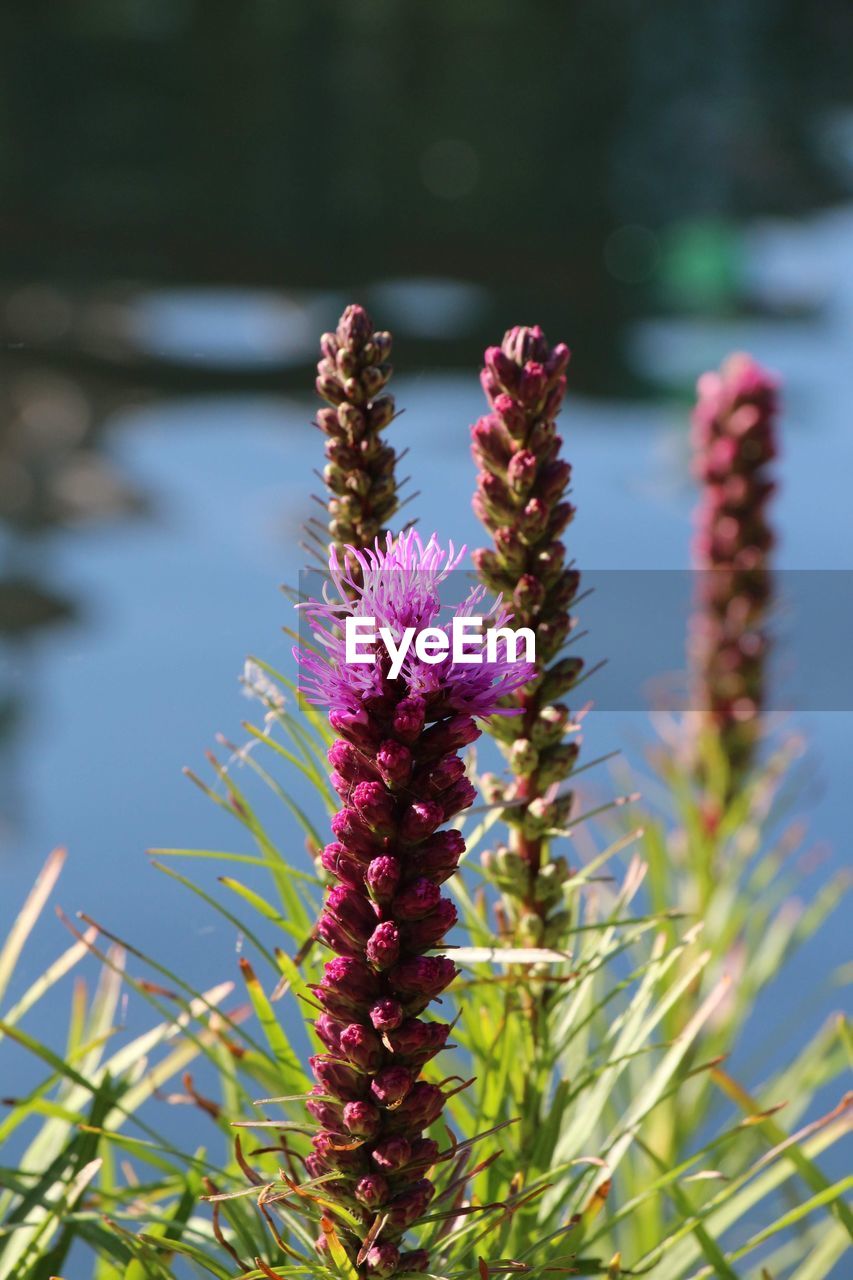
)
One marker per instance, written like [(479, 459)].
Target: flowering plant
[(400, 777)]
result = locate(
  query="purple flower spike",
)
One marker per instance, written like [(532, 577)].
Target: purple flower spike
[(735, 443), (396, 764), (359, 472), (521, 487)]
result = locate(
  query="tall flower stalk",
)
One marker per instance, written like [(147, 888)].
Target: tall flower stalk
[(521, 500), (734, 440), (397, 768), (360, 467)]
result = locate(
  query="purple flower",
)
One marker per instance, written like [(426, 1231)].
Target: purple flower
[(396, 764), (399, 585), (735, 443)]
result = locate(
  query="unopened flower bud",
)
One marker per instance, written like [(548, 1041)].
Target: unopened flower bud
[(375, 806), (383, 945), (405, 1209), (329, 1030), (391, 1085), (382, 1259), (362, 1047), (338, 1079), (382, 878), (372, 1191), (391, 1154), (362, 1119), (420, 820), (428, 932), (395, 763), (422, 978), (417, 899), (335, 861), (409, 719), (387, 1014), (418, 1041), (457, 798), (421, 1108), (347, 985)]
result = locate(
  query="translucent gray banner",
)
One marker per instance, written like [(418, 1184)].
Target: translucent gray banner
[(632, 627)]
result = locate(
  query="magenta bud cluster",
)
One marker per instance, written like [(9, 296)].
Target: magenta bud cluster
[(396, 766), (734, 445), (521, 499), (360, 467)]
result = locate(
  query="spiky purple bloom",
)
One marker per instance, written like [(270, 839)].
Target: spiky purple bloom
[(521, 499), (360, 466), (735, 443), (401, 779)]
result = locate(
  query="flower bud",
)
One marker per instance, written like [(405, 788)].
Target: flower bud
[(428, 932), (329, 1030), (422, 978), (425, 1152), (421, 1108), (354, 327), (337, 1078), (362, 1047), (355, 726), (376, 807), (345, 760), (316, 1168), (444, 774), (381, 412), (417, 899), (560, 678), (391, 1085), (550, 725), (391, 1154), (521, 472), (459, 797), (382, 1259), (329, 1114), (334, 860), (420, 820), (372, 1191), (557, 763), (353, 912), (523, 756), (394, 761), (528, 596), (409, 719), (362, 1119), (405, 1209), (337, 1153), (383, 945), (382, 878), (511, 871), (353, 834), (448, 735), (386, 1015), (418, 1041), (347, 984), (502, 368), (438, 857)]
